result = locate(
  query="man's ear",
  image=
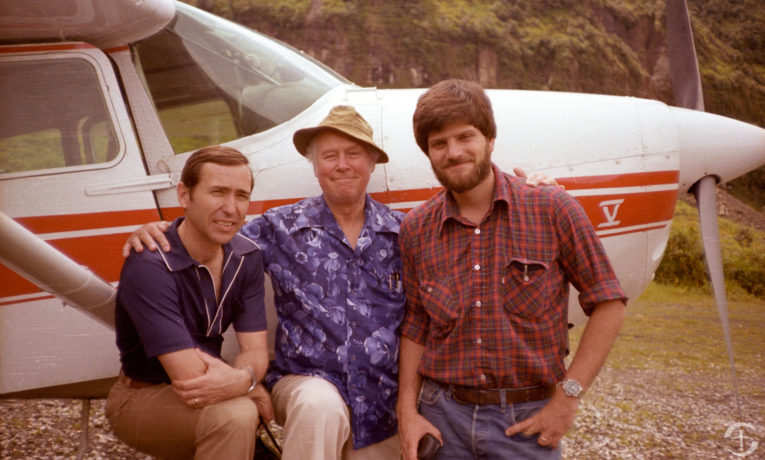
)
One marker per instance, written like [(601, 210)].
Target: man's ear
[(184, 194)]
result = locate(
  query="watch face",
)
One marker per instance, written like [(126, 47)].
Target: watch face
[(572, 388)]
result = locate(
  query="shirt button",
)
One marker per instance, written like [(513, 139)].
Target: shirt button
[(476, 267), (429, 289), (478, 341), (478, 303), (477, 231), (482, 378)]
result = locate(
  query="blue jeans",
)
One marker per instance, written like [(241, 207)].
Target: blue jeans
[(478, 432)]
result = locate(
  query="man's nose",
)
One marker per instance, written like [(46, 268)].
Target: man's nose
[(229, 204), (342, 161), (452, 149)]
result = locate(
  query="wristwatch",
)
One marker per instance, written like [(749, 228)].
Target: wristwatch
[(571, 388), (254, 381)]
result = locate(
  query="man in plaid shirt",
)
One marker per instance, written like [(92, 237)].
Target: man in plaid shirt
[(486, 265)]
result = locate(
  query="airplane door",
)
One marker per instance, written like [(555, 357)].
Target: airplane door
[(71, 172)]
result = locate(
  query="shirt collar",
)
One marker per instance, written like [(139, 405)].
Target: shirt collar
[(450, 210), (377, 217), (178, 258)]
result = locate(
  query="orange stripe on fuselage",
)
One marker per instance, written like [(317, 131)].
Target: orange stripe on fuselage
[(74, 222), (117, 49), (620, 180), (45, 47), (102, 253), (636, 209)]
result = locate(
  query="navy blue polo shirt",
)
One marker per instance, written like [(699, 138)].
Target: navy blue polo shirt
[(166, 302)]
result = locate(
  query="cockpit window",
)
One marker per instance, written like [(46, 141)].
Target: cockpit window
[(53, 115), (213, 81)]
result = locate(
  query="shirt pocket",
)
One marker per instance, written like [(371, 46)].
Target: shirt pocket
[(525, 285), (438, 301), (391, 285)]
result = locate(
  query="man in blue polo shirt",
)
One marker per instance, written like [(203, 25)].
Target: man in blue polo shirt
[(175, 397)]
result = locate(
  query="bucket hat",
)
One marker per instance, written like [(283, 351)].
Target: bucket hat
[(345, 120)]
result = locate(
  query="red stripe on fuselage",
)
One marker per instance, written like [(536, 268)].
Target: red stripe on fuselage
[(635, 209), (117, 49), (102, 253), (74, 222), (620, 180), (46, 47)]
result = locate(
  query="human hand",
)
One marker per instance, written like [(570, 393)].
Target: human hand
[(411, 428), (552, 422), (149, 235), (219, 383), (537, 178)]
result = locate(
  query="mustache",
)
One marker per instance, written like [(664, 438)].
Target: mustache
[(455, 161)]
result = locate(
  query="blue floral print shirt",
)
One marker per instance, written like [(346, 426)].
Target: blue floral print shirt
[(338, 307)]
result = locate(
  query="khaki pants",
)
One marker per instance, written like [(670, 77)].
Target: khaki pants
[(153, 420), (317, 424)]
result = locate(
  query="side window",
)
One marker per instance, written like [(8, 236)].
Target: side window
[(53, 115)]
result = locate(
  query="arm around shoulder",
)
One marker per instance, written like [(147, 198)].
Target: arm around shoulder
[(147, 235)]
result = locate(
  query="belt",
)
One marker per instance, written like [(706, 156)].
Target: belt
[(132, 383), (470, 395)]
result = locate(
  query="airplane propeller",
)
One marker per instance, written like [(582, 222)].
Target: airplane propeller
[(686, 86)]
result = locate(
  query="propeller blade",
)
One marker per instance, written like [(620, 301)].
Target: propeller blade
[(686, 86), (706, 201), (683, 65)]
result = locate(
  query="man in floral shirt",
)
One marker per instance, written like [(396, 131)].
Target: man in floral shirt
[(335, 266)]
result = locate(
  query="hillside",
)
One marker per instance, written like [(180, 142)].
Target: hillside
[(596, 46)]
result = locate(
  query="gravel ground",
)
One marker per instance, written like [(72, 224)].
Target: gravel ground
[(649, 414), (50, 429), (625, 415)]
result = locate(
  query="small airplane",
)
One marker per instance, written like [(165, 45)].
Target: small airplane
[(102, 102)]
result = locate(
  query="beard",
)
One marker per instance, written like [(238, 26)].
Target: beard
[(458, 184)]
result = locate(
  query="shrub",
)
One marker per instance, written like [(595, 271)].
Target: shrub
[(743, 250)]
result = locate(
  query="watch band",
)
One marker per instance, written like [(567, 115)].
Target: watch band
[(254, 380)]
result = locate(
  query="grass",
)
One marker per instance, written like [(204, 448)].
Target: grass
[(672, 329)]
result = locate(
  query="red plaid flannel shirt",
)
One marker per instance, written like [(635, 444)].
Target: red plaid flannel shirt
[(490, 302)]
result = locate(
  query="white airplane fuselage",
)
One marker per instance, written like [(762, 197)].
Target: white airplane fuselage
[(625, 159)]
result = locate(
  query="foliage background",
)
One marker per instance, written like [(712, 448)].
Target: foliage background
[(596, 46), (593, 46)]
